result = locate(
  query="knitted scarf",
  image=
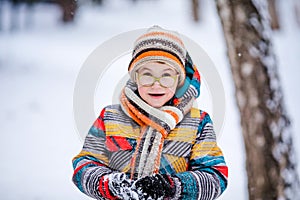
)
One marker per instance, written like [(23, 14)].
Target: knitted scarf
[(156, 123)]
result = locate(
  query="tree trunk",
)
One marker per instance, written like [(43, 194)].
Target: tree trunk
[(195, 8), (297, 11), (272, 5), (270, 158), (68, 8)]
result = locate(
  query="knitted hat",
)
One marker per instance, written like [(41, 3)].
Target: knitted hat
[(159, 44)]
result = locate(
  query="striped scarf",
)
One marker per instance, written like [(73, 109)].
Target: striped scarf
[(156, 123)]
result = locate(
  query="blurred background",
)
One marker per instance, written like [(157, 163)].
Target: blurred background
[(43, 45)]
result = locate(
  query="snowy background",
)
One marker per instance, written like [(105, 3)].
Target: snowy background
[(38, 69)]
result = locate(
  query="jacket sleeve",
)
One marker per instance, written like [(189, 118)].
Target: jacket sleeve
[(90, 165), (207, 175)]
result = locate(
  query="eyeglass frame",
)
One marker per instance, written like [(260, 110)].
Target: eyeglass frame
[(137, 75)]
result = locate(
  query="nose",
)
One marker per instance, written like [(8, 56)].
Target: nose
[(156, 84)]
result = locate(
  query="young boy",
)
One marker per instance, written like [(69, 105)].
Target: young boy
[(154, 144)]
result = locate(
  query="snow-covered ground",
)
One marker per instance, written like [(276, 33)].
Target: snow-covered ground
[(38, 69)]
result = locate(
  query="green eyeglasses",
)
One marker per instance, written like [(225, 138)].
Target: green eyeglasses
[(148, 80)]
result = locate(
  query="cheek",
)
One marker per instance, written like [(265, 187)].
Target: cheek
[(170, 92), (142, 91)]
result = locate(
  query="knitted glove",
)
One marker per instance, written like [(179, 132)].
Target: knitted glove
[(117, 186), (156, 186)]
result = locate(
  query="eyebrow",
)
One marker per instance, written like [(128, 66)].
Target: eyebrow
[(145, 68), (170, 69)]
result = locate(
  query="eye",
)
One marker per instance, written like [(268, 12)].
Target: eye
[(146, 74), (166, 74)]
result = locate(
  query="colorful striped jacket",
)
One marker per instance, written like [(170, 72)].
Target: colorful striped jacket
[(190, 152)]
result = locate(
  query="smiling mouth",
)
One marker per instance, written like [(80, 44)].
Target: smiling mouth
[(156, 95)]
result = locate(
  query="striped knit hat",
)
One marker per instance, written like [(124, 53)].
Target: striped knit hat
[(159, 44)]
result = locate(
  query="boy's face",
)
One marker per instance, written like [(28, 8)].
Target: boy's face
[(157, 83)]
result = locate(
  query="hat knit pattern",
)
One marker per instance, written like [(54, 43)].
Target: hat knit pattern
[(156, 123), (159, 44)]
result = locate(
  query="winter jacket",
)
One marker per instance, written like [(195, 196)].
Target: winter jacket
[(190, 152)]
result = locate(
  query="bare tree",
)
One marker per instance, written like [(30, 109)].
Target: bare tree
[(270, 158), (195, 8), (68, 8), (1, 11), (297, 11)]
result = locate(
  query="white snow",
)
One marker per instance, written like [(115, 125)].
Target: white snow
[(38, 69), (247, 68)]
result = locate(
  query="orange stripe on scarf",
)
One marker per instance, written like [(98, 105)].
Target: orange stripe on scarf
[(140, 118), (174, 115), (157, 160), (136, 151), (125, 103), (148, 121)]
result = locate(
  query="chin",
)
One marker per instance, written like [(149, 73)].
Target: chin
[(157, 105)]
